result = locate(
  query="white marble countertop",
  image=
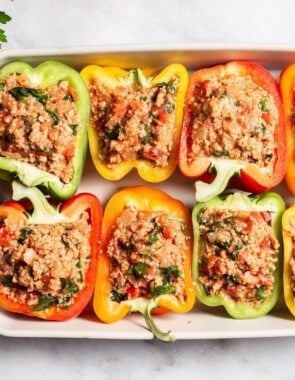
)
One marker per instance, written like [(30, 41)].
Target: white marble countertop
[(68, 23)]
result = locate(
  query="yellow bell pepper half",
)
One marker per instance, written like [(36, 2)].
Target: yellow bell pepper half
[(174, 78)]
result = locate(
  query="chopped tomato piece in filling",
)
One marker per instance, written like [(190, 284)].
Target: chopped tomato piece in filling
[(134, 122), (40, 271), (238, 254), (147, 255), (234, 117), (39, 125)]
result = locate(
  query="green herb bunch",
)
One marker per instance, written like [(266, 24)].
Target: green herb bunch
[(4, 18)]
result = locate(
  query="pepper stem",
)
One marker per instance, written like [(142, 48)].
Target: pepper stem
[(136, 77), (43, 212), (225, 169), (145, 307)]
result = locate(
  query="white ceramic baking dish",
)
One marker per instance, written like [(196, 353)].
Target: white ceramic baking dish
[(202, 322)]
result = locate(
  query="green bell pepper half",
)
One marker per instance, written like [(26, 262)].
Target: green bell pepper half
[(239, 201), (50, 73)]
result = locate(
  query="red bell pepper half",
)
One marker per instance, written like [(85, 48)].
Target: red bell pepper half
[(233, 130), (48, 254)]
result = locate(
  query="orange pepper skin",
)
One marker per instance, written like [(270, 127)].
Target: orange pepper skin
[(71, 208), (109, 76), (143, 198), (250, 177), (287, 83)]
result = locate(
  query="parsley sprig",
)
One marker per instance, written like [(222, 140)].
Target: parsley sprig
[(4, 18)]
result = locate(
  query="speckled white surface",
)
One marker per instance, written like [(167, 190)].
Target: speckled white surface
[(63, 24)]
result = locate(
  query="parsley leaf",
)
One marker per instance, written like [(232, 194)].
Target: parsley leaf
[(138, 270), (45, 301), (4, 18), (162, 289), (170, 273)]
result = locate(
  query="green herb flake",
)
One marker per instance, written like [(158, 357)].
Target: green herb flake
[(68, 97), (239, 246), (9, 137), (69, 287), (170, 273), (145, 252), (231, 280), (80, 273), (260, 292), (74, 128), (39, 95), (149, 134), (259, 129), (152, 239), (27, 124), (116, 296), (7, 281), (47, 150), (262, 105), (268, 157), (128, 247), (169, 108), (24, 233), (162, 289), (138, 270), (169, 85), (65, 243), (20, 93), (45, 302), (221, 152), (154, 115), (113, 134), (55, 117)]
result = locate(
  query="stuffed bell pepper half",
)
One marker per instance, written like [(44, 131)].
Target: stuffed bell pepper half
[(135, 120), (233, 130), (289, 257), (48, 253), (145, 263), (237, 252), (44, 113)]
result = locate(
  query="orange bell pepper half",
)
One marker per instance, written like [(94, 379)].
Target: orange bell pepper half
[(287, 88), (110, 306), (14, 295), (233, 132)]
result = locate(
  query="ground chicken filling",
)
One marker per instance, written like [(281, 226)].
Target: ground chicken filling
[(147, 254), (40, 271), (39, 125), (234, 118), (238, 254), (292, 259), (134, 122)]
